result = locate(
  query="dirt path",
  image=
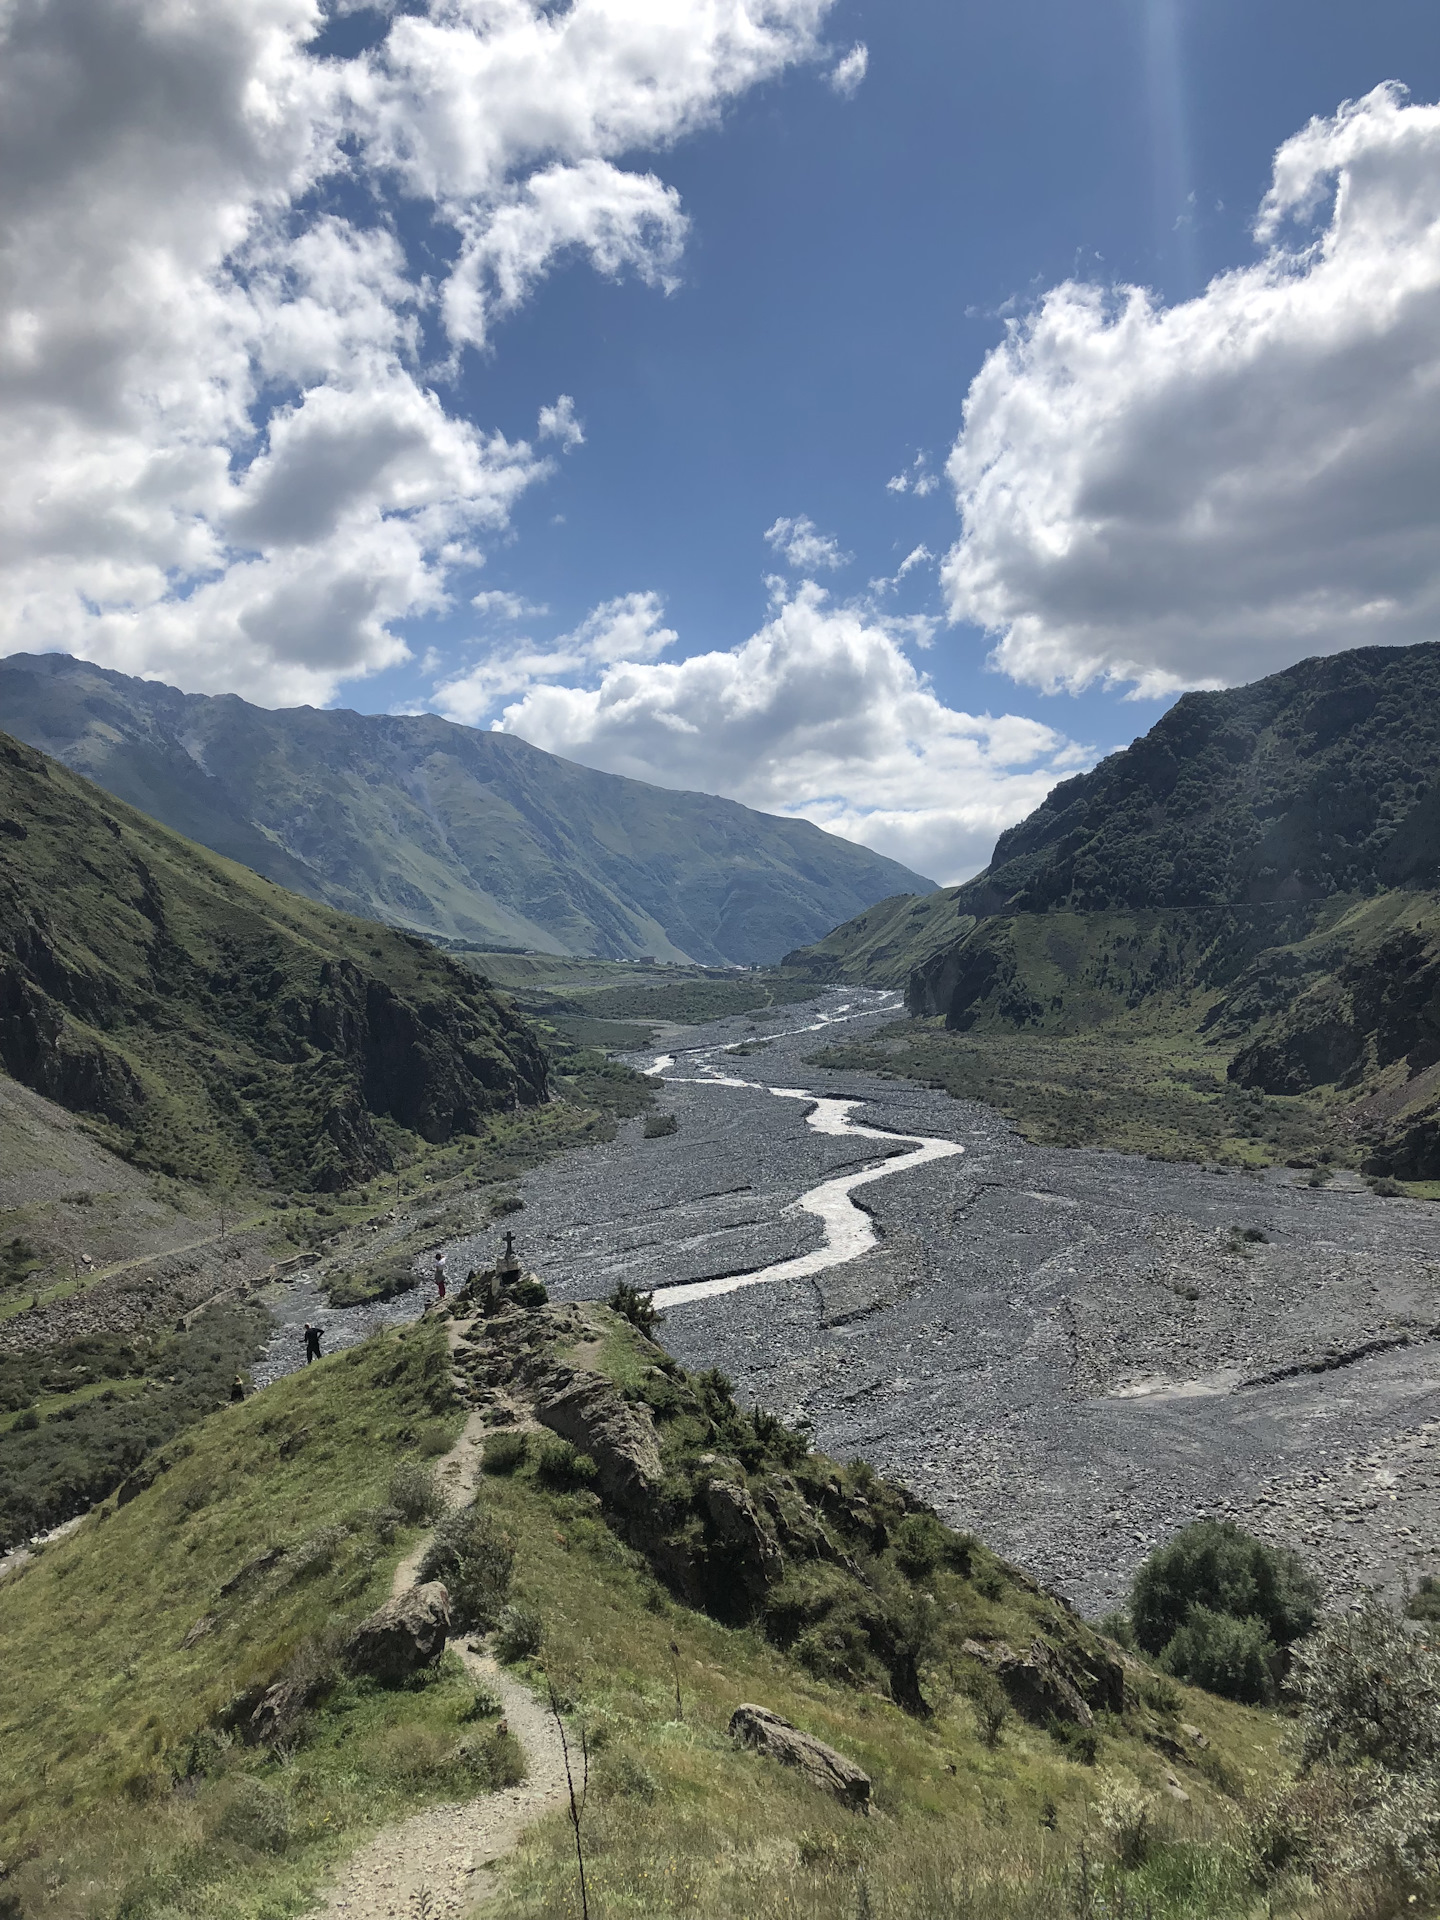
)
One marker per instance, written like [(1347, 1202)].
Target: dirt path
[(444, 1861)]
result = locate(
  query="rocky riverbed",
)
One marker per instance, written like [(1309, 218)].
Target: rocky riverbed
[(1072, 1352)]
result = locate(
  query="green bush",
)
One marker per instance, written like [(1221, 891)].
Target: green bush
[(1236, 1658), (529, 1293), (1081, 1744), (558, 1465), (657, 1125), (520, 1635), (1424, 1603), (1369, 1690), (414, 1492), (1217, 1565), (505, 1452), (475, 1560), (637, 1307), (1221, 1609)]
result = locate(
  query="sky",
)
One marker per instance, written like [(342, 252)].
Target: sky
[(871, 412)]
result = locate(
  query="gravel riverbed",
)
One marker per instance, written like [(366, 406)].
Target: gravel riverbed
[(1072, 1352)]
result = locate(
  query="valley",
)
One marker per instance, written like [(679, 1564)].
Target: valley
[(1072, 1352)]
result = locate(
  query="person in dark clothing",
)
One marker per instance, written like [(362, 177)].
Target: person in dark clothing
[(237, 1387), (312, 1342)]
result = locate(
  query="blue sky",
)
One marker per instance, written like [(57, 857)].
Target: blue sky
[(769, 302)]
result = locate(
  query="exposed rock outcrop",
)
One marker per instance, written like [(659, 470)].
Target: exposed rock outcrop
[(401, 1637), (744, 1535), (765, 1732), (1036, 1683), (619, 1438)]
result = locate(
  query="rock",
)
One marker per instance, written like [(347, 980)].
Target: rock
[(1194, 1735), (402, 1636), (746, 1537), (1038, 1686), (1174, 1788), (766, 1732), (619, 1438)]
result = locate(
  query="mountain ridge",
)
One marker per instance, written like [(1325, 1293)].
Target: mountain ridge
[(210, 1023), (458, 834)]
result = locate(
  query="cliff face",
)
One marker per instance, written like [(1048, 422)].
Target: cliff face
[(217, 1023)]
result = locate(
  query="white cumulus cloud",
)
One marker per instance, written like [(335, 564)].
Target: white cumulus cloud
[(227, 458), (1193, 495), (627, 628), (801, 545), (819, 715), (561, 423), (845, 76)]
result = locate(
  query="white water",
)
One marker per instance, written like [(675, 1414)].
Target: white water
[(849, 1230)]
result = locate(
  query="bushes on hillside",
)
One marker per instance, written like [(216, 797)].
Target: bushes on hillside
[(475, 1560), (1221, 1609)]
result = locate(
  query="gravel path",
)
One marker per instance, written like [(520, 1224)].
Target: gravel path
[(444, 1861), (1073, 1352)]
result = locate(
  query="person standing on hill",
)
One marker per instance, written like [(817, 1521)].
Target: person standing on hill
[(312, 1342), (440, 1276)]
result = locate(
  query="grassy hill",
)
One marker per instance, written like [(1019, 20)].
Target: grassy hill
[(273, 1527), (214, 1026), (1237, 911), (473, 836)]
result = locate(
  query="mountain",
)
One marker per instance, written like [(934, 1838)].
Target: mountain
[(461, 835), (213, 1024), (1259, 869)]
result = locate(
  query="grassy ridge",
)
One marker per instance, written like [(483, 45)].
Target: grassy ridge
[(126, 1641), (214, 1025)]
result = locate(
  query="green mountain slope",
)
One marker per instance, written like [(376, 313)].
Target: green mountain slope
[(213, 1024), (456, 833), (133, 1780), (1251, 882)]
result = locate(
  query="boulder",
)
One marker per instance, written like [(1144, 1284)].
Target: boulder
[(402, 1636), (766, 1732), (619, 1438), (1037, 1685)]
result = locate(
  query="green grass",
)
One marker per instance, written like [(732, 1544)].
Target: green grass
[(106, 1712), (1133, 1091), (121, 1795), (216, 1027)]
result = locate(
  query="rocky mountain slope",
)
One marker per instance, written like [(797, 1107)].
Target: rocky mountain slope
[(471, 836), (1256, 874), (213, 1025)]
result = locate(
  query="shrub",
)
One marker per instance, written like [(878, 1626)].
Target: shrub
[(485, 1706), (414, 1494), (520, 1635), (495, 1759), (254, 1814), (505, 1452), (637, 1307), (920, 1544), (1158, 1694), (991, 1704), (529, 1293), (1116, 1626), (1236, 1658), (1424, 1603), (434, 1440), (623, 1777), (475, 1560), (1368, 1691), (560, 1466), (1214, 1572), (1081, 1744), (657, 1125), (1127, 1816)]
